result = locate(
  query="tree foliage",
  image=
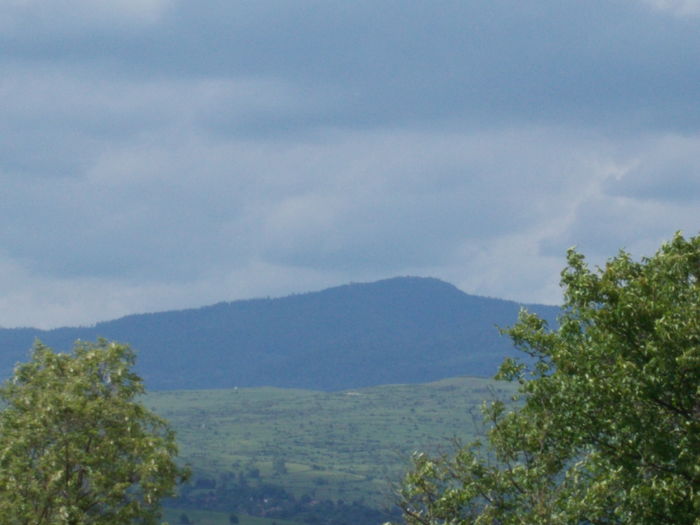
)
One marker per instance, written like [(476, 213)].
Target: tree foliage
[(76, 445), (606, 425)]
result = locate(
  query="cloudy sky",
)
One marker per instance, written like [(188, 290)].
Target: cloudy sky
[(161, 154)]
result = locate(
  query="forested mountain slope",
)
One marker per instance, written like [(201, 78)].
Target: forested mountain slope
[(401, 330)]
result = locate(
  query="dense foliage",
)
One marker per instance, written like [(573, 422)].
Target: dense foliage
[(76, 446), (255, 497), (607, 429)]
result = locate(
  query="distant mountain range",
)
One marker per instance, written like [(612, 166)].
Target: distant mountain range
[(401, 330)]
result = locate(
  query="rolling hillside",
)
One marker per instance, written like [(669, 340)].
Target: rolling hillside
[(281, 452), (401, 330)]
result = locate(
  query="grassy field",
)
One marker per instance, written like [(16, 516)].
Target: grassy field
[(338, 446)]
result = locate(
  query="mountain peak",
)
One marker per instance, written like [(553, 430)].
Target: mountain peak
[(398, 330)]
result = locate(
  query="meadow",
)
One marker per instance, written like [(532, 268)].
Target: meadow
[(347, 446)]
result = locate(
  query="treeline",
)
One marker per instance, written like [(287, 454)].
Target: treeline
[(235, 494)]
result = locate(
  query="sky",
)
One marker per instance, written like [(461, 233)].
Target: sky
[(165, 154)]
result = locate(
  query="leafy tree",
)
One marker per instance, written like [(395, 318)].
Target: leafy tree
[(279, 466), (606, 425), (76, 445)]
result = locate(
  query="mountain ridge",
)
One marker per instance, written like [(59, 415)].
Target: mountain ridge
[(397, 330)]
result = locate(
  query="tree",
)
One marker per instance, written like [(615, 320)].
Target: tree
[(77, 446), (606, 425), (279, 466)]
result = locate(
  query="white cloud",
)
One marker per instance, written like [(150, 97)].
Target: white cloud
[(666, 169), (175, 219), (176, 212), (60, 95), (68, 16), (676, 7), (42, 302)]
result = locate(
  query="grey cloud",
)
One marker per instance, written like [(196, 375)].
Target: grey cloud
[(603, 225), (59, 121), (563, 61), (674, 182), (179, 207), (214, 150), (681, 8), (669, 171), (72, 18), (619, 63)]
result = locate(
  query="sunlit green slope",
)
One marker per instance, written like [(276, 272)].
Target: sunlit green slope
[(340, 446)]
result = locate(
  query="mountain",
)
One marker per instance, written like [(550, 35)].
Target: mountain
[(401, 330)]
